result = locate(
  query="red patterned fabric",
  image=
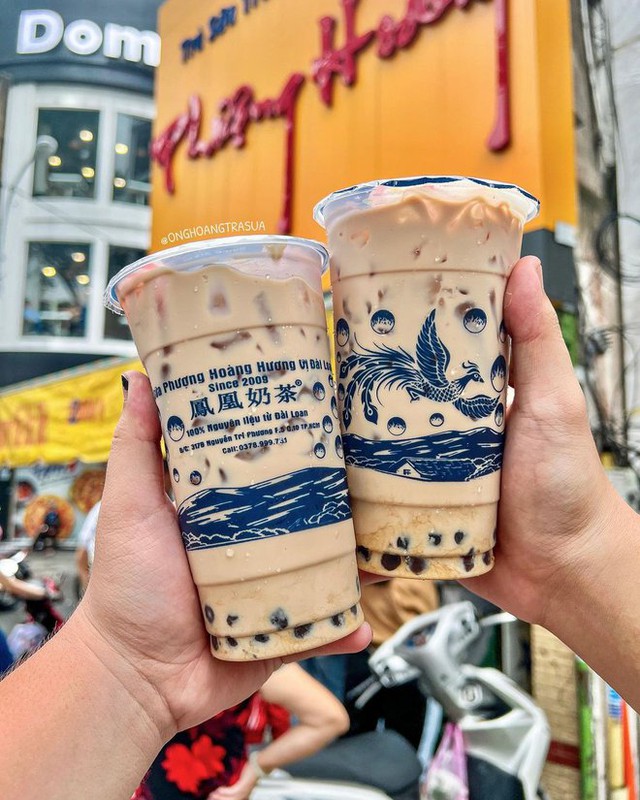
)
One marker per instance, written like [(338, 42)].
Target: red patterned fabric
[(200, 759)]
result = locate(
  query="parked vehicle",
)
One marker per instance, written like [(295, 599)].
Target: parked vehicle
[(39, 596)]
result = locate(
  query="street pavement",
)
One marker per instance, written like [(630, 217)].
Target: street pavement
[(57, 564)]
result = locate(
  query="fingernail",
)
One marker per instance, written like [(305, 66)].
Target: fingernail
[(125, 385)]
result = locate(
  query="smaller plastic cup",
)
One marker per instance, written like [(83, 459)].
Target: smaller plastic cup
[(418, 271), (232, 333)]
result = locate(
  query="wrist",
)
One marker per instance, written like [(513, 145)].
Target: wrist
[(258, 770), (593, 564), (134, 697)]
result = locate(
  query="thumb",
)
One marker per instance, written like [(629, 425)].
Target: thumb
[(540, 362), (135, 478)]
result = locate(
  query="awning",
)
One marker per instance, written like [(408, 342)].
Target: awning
[(63, 417)]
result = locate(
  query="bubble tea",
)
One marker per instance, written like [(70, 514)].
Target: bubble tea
[(233, 336), (418, 270)]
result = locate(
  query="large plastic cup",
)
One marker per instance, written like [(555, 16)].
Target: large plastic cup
[(418, 270), (232, 333)]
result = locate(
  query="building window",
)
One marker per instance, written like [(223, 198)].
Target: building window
[(71, 171), (131, 182), (115, 326), (57, 289)]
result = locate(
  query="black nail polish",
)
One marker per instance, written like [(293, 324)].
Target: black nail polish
[(125, 385)]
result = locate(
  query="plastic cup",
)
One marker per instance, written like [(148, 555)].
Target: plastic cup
[(418, 271), (233, 336)]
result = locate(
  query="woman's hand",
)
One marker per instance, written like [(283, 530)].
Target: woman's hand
[(241, 789), (555, 498), (141, 612)]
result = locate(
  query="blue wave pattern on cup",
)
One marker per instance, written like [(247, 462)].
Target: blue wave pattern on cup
[(297, 501)]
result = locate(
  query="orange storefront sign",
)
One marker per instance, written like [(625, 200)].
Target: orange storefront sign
[(265, 106)]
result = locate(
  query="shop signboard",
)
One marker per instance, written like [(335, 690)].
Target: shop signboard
[(70, 490), (265, 107), (59, 421), (112, 43)]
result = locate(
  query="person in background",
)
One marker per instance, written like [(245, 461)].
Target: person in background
[(6, 659), (32, 319), (387, 606), (49, 530), (211, 761), (330, 671), (86, 547)]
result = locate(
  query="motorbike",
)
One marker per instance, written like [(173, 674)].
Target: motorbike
[(15, 567), (506, 734), (38, 595)]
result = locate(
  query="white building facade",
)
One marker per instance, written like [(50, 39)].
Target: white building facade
[(75, 200)]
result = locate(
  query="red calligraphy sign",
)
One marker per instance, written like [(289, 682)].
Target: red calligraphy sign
[(239, 111)]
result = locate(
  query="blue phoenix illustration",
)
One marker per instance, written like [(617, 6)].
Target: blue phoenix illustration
[(424, 375)]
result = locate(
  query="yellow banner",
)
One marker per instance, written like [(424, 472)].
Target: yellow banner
[(63, 420)]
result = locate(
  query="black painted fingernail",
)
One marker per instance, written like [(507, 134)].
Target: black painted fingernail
[(125, 385)]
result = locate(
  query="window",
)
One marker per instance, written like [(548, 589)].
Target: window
[(131, 175), (72, 169), (57, 289), (115, 326)]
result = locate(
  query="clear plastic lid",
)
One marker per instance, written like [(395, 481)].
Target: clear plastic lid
[(247, 254), (450, 188)]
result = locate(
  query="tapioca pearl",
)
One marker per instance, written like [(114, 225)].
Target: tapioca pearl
[(300, 631), (337, 620), (364, 552), (354, 610), (435, 538), (274, 333), (468, 561), (416, 565), (209, 614), (165, 370), (402, 542), (215, 643), (390, 561), (232, 642), (279, 619), (459, 536), (232, 619), (262, 304), (262, 638), (218, 302), (487, 557)]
